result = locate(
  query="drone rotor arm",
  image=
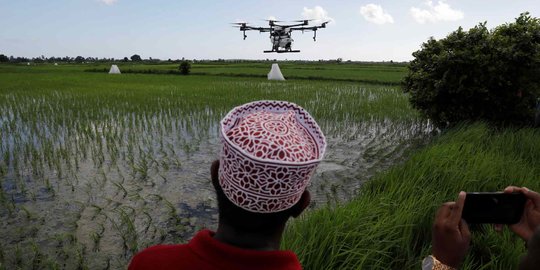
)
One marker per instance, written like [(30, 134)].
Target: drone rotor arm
[(303, 28)]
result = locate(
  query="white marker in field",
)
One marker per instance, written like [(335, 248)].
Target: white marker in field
[(114, 70), (275, 73)]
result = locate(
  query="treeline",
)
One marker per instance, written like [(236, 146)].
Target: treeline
[(80, 59), (52, 59), (139, 59)]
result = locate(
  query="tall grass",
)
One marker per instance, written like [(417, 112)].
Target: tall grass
[(388, 225)]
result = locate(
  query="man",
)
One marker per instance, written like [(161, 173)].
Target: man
[(451, 236), (270, 150)]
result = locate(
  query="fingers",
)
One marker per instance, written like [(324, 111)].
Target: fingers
[(464, 228), (457, 209), (452, 210), (531, 195), (512, 189), (444, 211)]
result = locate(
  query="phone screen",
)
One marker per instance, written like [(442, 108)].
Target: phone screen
[(493, 207)]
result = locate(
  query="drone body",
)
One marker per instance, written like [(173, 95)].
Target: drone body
[(280, 35)]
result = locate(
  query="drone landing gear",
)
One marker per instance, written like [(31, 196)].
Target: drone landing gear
[(282, 51)]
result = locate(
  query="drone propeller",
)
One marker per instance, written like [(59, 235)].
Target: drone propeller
[(243, 24), (272, 20), (304, 20)]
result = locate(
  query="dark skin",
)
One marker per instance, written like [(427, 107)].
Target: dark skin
[(531, 260), (451, 235), (531, 215), (264, 241)]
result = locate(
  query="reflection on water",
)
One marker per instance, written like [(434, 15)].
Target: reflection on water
[(90, 193)]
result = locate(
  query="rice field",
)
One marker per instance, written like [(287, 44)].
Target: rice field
[(95, 167), (387, 73)]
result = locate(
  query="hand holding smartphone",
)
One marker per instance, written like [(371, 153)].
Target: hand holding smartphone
[(493, 207)]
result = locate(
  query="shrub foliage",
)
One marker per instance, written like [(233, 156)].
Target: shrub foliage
[(185, 68), (479, 74)]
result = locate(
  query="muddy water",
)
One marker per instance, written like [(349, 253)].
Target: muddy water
[(103, 197)]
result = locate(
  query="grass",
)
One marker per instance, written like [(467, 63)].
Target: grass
[(388, 225)]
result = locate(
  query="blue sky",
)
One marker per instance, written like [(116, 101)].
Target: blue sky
[(361, 30)]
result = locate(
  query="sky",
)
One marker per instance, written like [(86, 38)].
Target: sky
[(360, 30)]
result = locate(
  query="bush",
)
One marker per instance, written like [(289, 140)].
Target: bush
[(479, 74), (185, 68)]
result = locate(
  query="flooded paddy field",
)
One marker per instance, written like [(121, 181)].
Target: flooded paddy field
[(94, 167)]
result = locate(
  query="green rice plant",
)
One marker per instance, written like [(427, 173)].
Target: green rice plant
[(49, 187), (18, 256), (171, 209), (37, 256), (96, 237), (9, 205), (80, 257), (126, 228), (3, 170), (27, 212), (51, 264), (22, 186), (98, 210), (120, 187), (2, 255), (148, 221)]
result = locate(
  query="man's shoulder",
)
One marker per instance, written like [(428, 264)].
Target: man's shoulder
[(162, 249), (162, 255)]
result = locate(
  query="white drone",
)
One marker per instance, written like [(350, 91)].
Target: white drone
[(280, 35)]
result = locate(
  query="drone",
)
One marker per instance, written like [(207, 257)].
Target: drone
[(280, 34)]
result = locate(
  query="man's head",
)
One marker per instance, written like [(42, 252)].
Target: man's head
[(270, 150), (247, 221)]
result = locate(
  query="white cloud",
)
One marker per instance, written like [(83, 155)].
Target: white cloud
[(436, 13), (375, 14), (108, 2), (318, 14)]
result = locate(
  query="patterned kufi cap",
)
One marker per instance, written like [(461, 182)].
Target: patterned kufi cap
[(270, 151)]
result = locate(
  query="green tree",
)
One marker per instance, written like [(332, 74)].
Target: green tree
[(4, 58), (479, 74), (136, 58), (185, 68)]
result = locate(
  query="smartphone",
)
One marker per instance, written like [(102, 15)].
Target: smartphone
[(493, 207)]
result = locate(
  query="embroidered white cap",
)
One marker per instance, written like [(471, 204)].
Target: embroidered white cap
[(270, 151)]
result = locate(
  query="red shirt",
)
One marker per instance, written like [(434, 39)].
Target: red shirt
[(206, 253)]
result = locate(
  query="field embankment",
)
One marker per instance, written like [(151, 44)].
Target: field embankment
[(387, 74), (388, 226)]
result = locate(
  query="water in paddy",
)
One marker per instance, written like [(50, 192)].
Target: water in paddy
[(91, 193)]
